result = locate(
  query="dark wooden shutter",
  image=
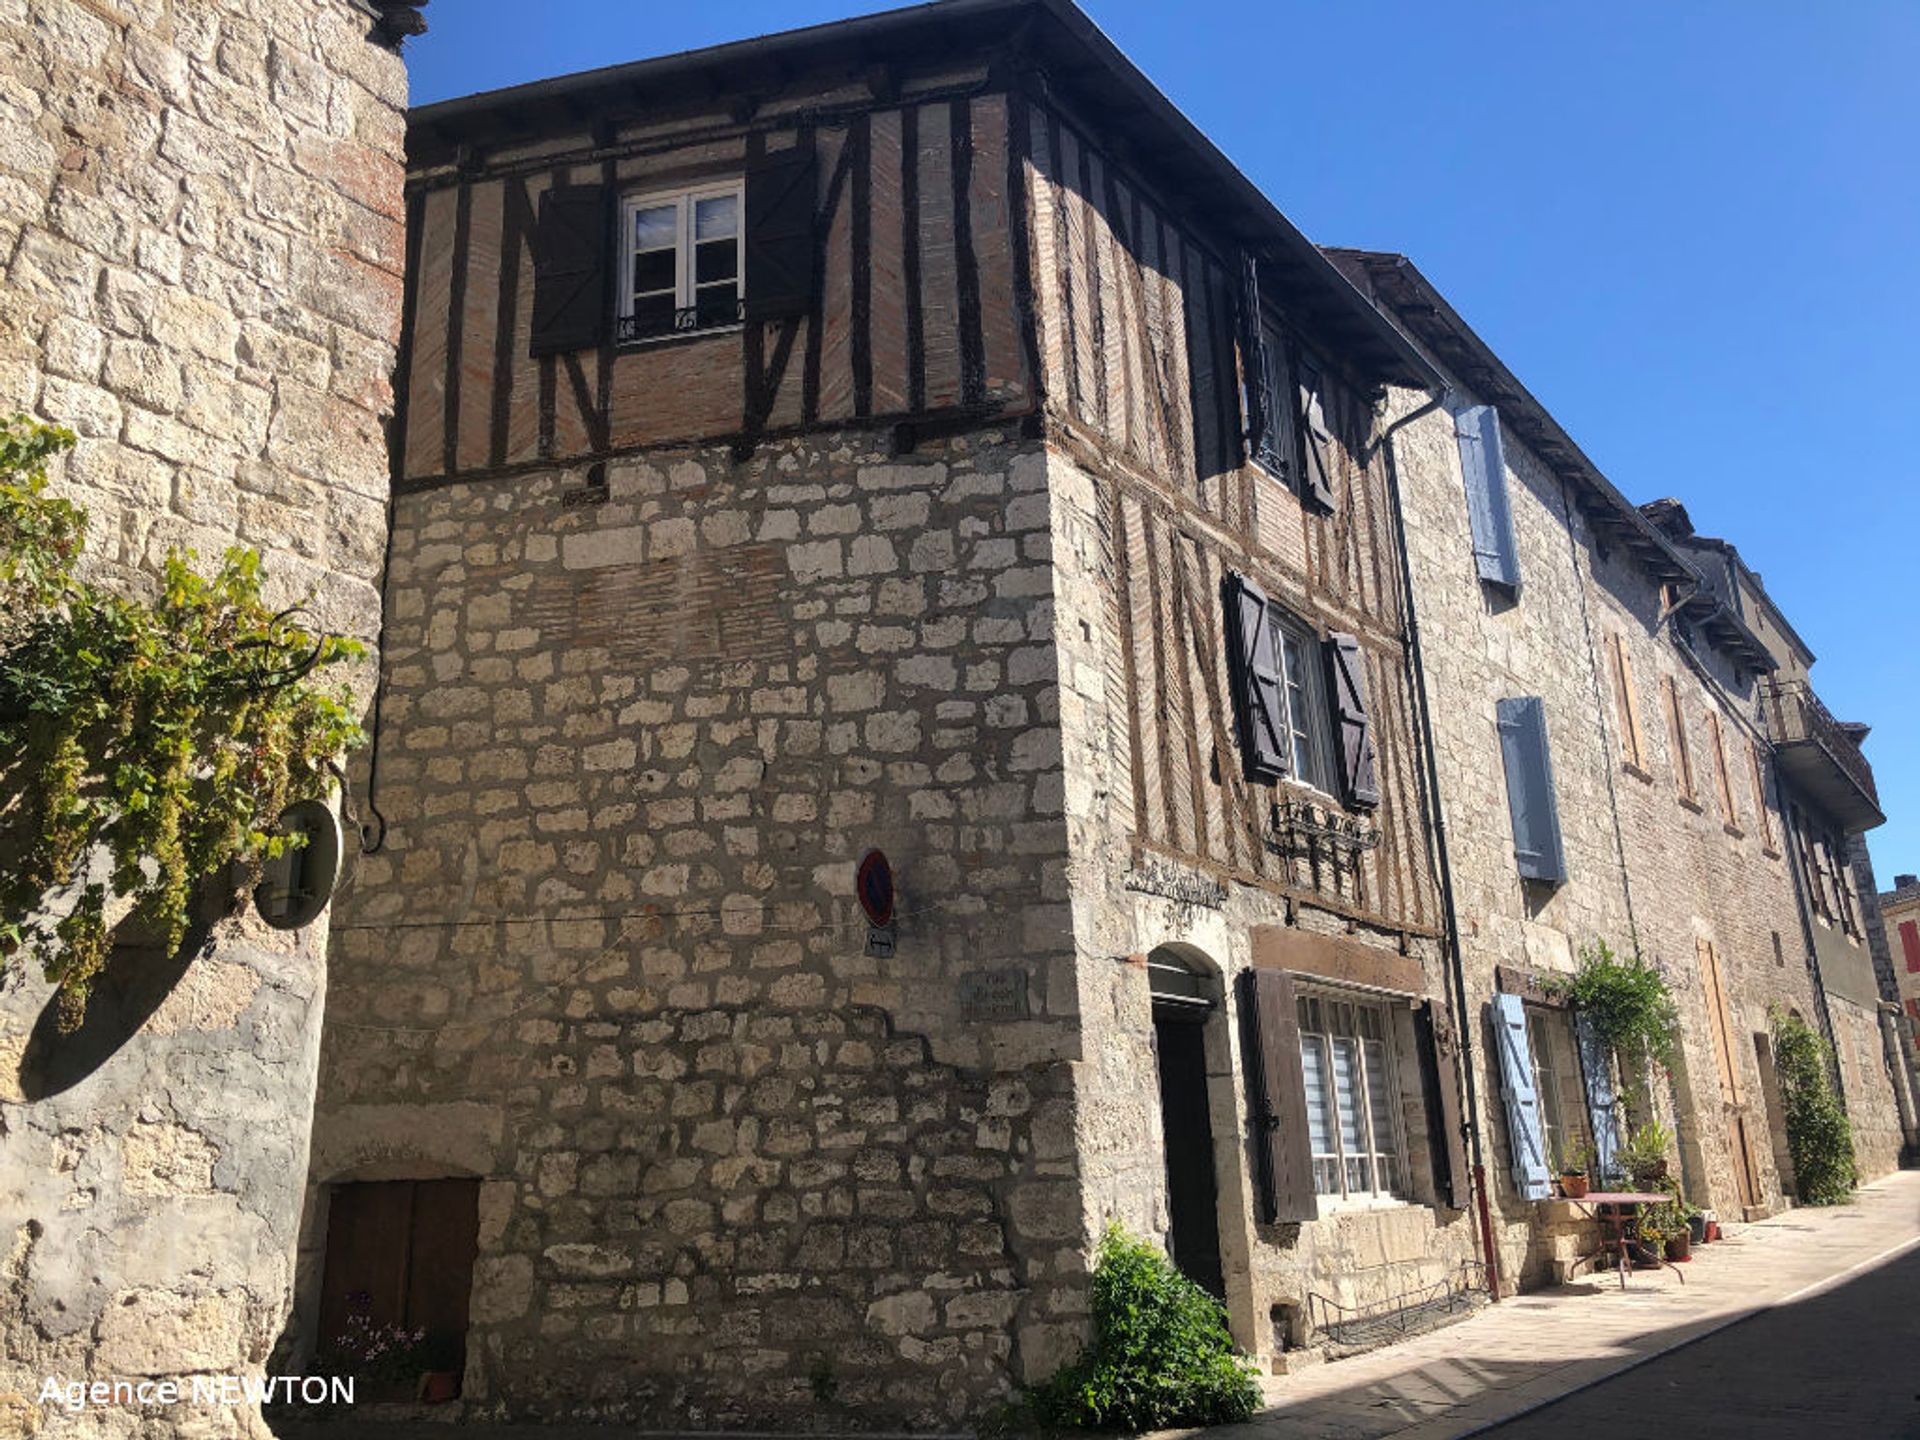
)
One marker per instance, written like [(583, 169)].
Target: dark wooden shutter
[(1257, 366), (369, 1242), (1253, 670), (1446, 1134), (1530, 799), (571, 301), (1526, 1137), (1483, 466), (1277, 1097), (1353, 747), (781, 200), (1603, 1111), (1316, 433)]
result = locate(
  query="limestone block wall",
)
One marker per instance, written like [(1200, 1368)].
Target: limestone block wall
[(1861, 1048), (200, 256), (734, 1169)]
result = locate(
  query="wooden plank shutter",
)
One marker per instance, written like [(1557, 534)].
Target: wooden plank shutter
[(1525, 1135), (571, 301), (1277, 1097), (1316, 435), (446, 1240), (1258, 361), (1530, 799), (1253, 667), (1439, 1047), (1483, 464), (1347, 670), (369, 1241), (781, 196), (1603, 1113)]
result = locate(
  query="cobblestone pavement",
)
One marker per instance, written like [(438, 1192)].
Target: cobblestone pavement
[(1838, 1274)]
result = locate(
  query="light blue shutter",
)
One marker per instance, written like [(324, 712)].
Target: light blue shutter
[(1525, 1134), (1530, 799), (1489, 510), (1596, 1070)]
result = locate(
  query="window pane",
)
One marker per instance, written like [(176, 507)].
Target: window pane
[(653, 314), (1298, 709), (1380, 1099), (1346, 1090), (717, 304), (653, 272), (716, 218), (715, 260), (1313, 1069), (657, 228)]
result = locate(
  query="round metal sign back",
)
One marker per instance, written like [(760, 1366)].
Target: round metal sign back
[(873, 883)]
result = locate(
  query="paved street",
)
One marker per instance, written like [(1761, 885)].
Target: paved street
[(1811, 1332), (1840, 1363)]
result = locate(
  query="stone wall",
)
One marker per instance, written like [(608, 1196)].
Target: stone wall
[(201, 247), (735, 1170)]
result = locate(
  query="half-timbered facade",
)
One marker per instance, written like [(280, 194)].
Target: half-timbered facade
[(906, 435)]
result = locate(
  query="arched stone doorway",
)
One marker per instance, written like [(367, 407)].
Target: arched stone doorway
[(1186, 1000)]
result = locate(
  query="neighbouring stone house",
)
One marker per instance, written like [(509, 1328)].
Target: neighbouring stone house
[(1894, 930), (202, 244), (909, 435), (1611, 769)]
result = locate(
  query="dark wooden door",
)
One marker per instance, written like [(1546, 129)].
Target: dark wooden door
[(1186, 1121), (402, 1251)]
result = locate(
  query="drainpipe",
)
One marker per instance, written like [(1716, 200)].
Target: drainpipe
[(1437, 834)]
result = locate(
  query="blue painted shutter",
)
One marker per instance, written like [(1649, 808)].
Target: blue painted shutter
[(1527, 1139), (1489, 510), (1530, 799), (1596, 1070), (1259, 699)]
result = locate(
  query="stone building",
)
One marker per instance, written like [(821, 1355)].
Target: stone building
[(202, 244), (1893, 932), (1644, 809), (906, 435)]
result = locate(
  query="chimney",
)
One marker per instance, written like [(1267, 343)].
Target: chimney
[(1903, 882)]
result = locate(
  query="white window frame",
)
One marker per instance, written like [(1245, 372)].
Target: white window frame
[(1384, 1009), (1305, 732), (684, 200)]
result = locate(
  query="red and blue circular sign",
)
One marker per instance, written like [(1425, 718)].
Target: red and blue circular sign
[(873, 883)]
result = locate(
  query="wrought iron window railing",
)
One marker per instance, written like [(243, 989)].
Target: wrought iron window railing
[(687, 320)]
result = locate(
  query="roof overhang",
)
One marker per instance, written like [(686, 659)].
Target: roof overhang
[(1186, 168)]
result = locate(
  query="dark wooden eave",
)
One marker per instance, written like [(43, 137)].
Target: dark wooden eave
[(1052, 39)]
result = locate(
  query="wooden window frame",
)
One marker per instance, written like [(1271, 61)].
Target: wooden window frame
[(1683, 775), (1723, 777), (686, 311), (1335, 999), (1310, 726), (1633, 737)]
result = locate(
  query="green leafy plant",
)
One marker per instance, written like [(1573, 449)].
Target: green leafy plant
[(1576, 1159), (145, 743), (1819, 1135), (1643, 1159), (1628, 1003), (1160, 1357)]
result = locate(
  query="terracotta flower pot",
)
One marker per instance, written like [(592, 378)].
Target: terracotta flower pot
[(1574, 1187), (439, 1386), (1680, 1247)]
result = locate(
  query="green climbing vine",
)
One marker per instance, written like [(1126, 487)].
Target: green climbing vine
[(145, 743), (1819, 1135)]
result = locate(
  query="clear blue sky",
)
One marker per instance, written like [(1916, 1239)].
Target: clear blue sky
[(1692, 229)]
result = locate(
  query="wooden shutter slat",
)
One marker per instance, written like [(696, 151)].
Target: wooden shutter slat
[(571, 302), (1439, 1045), (1530, 794), (1277, 1097), (1526, 1137), (780, 225), (1254, 668), (1347, 666), (1603, 1115), (1257, 383)]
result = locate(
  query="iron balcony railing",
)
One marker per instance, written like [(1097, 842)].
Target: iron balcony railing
[(1795, 714)]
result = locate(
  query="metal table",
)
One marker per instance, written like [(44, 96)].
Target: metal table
[(1621, 1206)]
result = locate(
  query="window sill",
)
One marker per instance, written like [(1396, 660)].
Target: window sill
[(1638, 772), (679, 337), (1331, 1208)]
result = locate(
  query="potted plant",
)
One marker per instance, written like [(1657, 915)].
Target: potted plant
[(1644, 1156), (1575, 1166), (443, 1356)]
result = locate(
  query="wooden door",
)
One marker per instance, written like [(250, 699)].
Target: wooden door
[(402, 1253), (1187, 1138), (1732, 1093)]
